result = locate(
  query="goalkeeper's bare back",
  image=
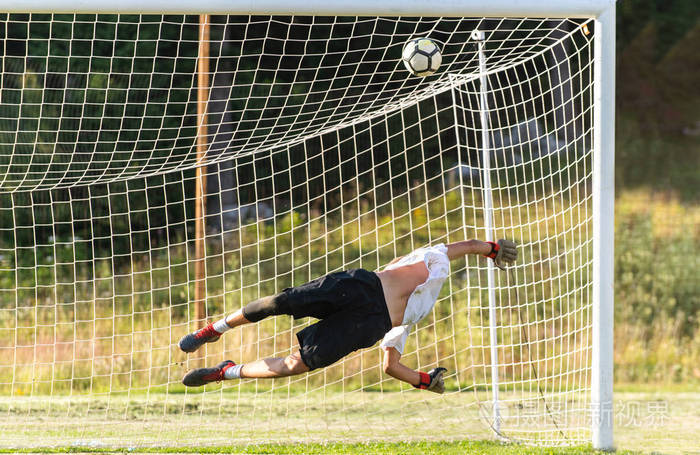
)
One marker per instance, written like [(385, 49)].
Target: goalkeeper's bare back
[(355, 309)]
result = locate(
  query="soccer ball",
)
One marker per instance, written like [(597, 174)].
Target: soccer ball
[(421, 56)]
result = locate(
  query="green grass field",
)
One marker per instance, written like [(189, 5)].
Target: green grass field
[(405, 448), (646, 421)]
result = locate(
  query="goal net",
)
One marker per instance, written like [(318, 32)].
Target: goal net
[(128, 218)]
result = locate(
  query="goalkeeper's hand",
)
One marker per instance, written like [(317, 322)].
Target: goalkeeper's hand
[(505, 251), (432, 380)]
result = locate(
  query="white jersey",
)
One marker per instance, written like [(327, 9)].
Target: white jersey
[(423, 298)]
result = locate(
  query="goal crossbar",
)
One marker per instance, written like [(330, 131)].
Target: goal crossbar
[(453, 8)]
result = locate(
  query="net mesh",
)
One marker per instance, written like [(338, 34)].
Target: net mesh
[(322, 154)]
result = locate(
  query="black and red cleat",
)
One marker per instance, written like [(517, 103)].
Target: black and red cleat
[(192, 341), (201, 376)]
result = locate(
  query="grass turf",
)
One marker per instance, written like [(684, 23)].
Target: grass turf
[(379, 448)]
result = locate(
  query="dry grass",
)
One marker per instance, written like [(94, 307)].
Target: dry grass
[(110, 343)]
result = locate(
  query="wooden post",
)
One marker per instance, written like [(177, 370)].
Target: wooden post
[(200, 289)]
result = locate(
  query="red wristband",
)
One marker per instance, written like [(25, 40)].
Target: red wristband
[(424, 381), (494, 250)]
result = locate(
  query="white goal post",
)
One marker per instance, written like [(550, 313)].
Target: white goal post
[(373, 198)]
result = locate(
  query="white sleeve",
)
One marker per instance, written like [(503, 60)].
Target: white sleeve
[(396, 338), (438, 262), (441, 248)]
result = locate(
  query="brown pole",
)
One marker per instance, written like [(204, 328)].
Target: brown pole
[(200, 289)]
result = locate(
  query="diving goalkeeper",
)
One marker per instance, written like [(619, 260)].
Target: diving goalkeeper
[(355, 308)]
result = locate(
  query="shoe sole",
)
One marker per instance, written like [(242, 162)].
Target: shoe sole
[(195, 378)]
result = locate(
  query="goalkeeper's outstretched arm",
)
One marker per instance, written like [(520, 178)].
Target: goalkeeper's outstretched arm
[(431, 380), (474, 246), (502, 252)]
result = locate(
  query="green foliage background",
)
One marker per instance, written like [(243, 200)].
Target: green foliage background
[(658, 191)]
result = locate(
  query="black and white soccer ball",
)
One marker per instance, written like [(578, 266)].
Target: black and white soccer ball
[(421, 56)]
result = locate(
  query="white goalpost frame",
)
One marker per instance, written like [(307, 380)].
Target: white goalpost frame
[(603, 229), (603, 126)]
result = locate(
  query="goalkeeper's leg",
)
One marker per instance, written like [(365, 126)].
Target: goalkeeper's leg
[(319, 298), (253, 312), (273, 367)]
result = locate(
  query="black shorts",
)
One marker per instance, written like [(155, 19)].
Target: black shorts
[(352, 310)]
